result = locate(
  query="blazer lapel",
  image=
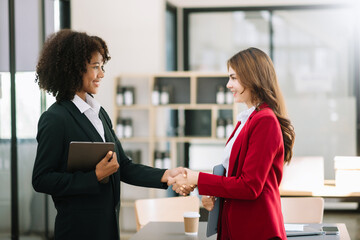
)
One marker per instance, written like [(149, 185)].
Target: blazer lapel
[(233, 132), (236, 148), (109, 137), (82, 121), (235, 151), (107, 129)]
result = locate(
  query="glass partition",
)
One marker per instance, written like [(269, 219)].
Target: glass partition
[(28, 33), (216, 36), (27, 115), (313, 57), (170, 32), (314, 54), (5, 180)]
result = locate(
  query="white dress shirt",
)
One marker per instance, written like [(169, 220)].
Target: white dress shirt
[(242, 118), (91, 109)]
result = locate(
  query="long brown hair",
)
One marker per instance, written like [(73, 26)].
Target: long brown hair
[(256, 72)]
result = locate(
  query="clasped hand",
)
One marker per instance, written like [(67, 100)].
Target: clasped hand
[(184, 182), (107, 166)]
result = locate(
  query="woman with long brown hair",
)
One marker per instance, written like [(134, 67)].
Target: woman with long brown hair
[(253, 157)]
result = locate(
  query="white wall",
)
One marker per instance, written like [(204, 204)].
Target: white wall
[(134, 31)]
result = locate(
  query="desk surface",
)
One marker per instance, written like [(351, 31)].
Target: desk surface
[(169, 230), (175, 231), (328, 190)]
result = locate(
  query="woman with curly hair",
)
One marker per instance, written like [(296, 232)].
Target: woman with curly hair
[(254, 155), (71, 67)]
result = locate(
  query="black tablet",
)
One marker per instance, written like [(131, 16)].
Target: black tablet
[(83, 156)]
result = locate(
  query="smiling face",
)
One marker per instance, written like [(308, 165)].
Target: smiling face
[(94, 73), (241, 95)]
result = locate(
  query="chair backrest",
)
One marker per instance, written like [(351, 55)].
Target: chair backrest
[(302, 209), (164, 209)]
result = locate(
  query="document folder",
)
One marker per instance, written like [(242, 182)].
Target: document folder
[(306, 231), (214, 214)]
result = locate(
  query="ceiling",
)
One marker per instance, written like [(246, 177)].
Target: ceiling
[(253, 3)]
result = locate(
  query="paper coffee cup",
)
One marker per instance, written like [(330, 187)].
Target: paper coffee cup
[(191, 223)]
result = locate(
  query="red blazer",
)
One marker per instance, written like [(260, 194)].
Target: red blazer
[(251, 207)]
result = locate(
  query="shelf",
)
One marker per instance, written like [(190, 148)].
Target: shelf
[(195, 106), (190, 117), (179, 88), (135, 139), (206, 88), (132, 107), (191, 139), (216, 106), (127, 202), (191, 74), (170, 130), (126, 235)]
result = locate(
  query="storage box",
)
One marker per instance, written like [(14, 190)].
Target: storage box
[(303, 174), (347, 173)]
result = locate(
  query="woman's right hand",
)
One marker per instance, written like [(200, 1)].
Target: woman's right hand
[(208, 202), (106, 166)]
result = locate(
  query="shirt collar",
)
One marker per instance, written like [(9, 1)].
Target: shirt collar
[(84, 106), (244, 115)]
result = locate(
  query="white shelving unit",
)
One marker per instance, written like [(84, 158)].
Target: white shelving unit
[(190, 93)]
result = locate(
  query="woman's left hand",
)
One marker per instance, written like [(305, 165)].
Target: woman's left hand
[(208, 202)]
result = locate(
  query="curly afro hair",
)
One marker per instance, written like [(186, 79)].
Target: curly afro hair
[(63, 61)]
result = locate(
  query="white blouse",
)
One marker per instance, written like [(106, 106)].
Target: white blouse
[(242, 118), (91, 109)]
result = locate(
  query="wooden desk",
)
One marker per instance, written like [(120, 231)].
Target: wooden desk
[(329, 190), (170, 231), (175, 231)]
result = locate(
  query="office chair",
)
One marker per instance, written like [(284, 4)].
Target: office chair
[(164, 209), (302, 209)]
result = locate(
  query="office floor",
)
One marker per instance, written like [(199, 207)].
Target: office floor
[(350, 218)]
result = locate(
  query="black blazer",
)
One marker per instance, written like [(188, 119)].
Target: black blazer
[(86, 209)]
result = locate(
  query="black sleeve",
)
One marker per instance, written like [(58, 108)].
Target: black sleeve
[(49, 175), (135, 174)]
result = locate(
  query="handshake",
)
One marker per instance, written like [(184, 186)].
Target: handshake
[(183, 180)]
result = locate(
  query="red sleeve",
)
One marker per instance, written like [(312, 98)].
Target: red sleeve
[(265, 140)]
